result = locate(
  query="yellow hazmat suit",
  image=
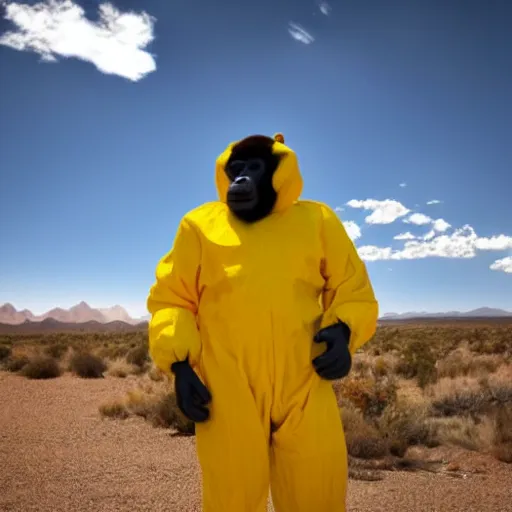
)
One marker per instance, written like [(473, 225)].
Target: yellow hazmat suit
[(243, 302)]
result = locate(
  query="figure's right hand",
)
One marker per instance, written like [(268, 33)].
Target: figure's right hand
[(192, 395)]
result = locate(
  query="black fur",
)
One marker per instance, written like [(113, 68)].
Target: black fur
[(251, 196)]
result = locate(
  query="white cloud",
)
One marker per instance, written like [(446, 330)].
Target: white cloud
[(433, 201), (431, 234), (353, 230), (383, 212), (462, 243), (299, 33), (441, 225), (403, 185), (503, 265), (115, 44), (495, 243), (419, 219), (374, 253), (325, 8), (404, 236), (339, 209)]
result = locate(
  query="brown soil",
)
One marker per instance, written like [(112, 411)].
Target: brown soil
[(57, 454)]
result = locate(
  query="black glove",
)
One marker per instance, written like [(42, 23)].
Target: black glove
[(192, 395), (336, 361)]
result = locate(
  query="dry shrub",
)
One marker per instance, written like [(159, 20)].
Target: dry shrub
[(363, 440), (114, 409), (16, 363), (467, 432), (368, 394), (475, 413), (138, 356), (87, 366), (121, 368), (458, 397), (470, 396), (41, 367), (418, 361), (361, 363), (382, 366), (462, 362), (405, 423), (153, 402), (503, 434), (155, 374), (501, 378), (56, 350), (5, 352)]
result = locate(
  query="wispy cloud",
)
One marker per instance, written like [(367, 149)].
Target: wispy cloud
[(383, 212), (433, 201), (324, 7), (404, 236), (115, 44), (403, 185), (299, 33)]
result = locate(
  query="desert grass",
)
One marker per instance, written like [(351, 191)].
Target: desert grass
[(153, 401), (431, 384)]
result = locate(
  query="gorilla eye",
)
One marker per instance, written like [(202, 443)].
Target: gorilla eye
[(257, 165), (235, 168)]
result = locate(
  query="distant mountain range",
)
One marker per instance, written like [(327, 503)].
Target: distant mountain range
[(116, 317), (79, 314), (474, 313)]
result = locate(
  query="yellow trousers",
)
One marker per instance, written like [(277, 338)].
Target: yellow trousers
[(303, 460)]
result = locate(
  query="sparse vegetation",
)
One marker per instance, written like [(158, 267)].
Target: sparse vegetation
[(433, 384), (152, 401)]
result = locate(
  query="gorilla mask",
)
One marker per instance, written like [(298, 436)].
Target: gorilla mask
[(250, 169)]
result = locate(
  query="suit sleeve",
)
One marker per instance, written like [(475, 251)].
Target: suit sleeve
[(348, 294), (173, 302)]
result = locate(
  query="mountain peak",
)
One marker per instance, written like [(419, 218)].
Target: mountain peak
[(81, 305)]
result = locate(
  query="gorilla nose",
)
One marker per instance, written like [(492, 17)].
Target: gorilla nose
[(242, 180)]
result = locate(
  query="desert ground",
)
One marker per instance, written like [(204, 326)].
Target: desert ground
[(86, 423)]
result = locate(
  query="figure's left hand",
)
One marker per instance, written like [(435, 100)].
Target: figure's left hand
[(336, 361)]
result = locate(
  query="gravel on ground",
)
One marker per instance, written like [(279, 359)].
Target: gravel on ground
[(57, 454)]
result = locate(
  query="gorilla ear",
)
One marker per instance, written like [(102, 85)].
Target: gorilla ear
[(279, 137)]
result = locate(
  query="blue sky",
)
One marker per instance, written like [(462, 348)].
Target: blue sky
[(112, 116)]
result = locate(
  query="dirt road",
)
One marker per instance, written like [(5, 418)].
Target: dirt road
[(57, 454)]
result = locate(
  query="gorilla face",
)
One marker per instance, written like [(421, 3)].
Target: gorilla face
[(250, 169)]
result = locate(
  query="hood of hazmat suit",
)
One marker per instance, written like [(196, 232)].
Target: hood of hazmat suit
[(243, 302)]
